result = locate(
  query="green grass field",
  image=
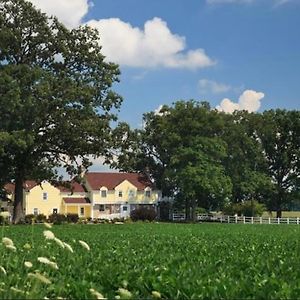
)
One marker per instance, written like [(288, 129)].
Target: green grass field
[(173, 261)]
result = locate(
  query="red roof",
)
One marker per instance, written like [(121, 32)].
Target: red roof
[(110, 180), (10, 188), (77, 200), (75, 187)]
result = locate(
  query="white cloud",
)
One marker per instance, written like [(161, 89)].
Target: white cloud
[(249, 100), (69, 12), (153, 46), (213, 87)]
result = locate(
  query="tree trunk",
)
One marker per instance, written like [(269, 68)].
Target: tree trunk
[(194, 215), (278, 213), (187, 210), (18, 212)]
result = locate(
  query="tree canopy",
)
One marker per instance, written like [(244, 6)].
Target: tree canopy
[(56, 100)]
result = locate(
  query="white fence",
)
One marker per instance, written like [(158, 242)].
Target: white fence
[(240, 220)]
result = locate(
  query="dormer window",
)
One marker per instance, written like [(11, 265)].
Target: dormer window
[(103, 194), (120, 194)]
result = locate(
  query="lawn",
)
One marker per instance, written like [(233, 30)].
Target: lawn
[(173, 261)]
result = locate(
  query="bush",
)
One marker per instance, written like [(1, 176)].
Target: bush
[(72, 218), (57, 219), (40, 218), (29, 218), (143, 214), (249, 208)]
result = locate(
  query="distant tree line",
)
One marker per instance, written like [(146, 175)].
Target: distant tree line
[(210, 159)]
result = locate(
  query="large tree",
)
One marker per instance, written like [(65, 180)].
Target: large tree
[(180, 149), (56, 100), (279, 134)]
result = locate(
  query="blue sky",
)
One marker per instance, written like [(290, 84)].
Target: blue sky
[(245, 53), (255, 45)]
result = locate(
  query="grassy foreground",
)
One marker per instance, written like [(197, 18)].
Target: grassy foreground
[(174, 261)]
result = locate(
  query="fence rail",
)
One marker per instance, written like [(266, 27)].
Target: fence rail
[(237, 219)]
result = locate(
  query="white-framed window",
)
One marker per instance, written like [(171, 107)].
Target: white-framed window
[(148, 193), (131, 193), (101, 207), (125, 208), (120, 194), (45, 196), (82, 211), (55, 211), (35, 211), (103, 193)]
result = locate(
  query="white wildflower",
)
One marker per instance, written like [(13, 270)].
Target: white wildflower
[(27, 246), (124, 294), (156, 294), (48, 262), (97, 294), (49, 235), (11, 247), (16, 290), (39, 277), (68, 247), (47, 225), (7, 241), (3, 270), (84, 245), (59, 242), (28, 264)]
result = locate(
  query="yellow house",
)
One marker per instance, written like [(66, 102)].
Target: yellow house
[(117, 194), (101, 195)]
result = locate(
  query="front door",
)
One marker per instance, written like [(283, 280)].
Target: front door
[(125, 211)]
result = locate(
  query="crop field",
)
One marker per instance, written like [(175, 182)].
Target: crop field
[(168, 261)]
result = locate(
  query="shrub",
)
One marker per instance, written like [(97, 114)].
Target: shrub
[(72, 218), (40, 218), (249, 208), (29, 218), (57, 219), (143, 214)]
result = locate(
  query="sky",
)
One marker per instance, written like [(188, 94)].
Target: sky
[(235, 54)]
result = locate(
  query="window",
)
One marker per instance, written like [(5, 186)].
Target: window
[(125, 208), (101, 207), (131, 193), (120, 194), (55, 210), (35, 211), (45, 196), (148, 194), (103, 194), (82, 211)]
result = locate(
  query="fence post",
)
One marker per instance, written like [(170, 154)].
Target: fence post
[(252, 220), (260, 220), (278, 220), (236, 219), (244, 219), (297, 220), (269, 220), (288, 220), (228, 219)]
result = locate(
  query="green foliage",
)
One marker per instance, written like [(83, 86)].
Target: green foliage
[(249, 208), (72, 218), (180, 261), (56, 100), (143, 214), (57, 219)]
